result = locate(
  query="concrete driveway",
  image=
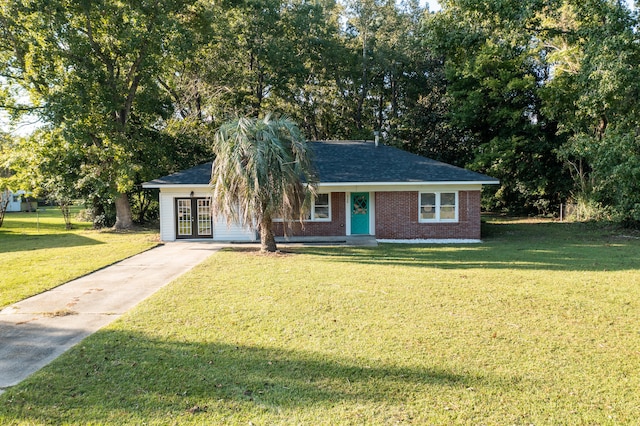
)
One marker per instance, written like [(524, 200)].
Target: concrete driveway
[(37, 330)]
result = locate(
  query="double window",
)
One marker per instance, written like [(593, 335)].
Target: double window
[(438, 206)]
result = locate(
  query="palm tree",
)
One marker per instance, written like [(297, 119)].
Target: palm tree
[(262, 170)]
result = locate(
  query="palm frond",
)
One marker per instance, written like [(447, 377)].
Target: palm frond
[(263, 169)]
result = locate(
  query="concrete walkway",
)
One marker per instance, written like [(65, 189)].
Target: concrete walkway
[(37, 330)]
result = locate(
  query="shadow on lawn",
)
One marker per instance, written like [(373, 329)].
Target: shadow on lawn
[(539, 246), (118, 372), (13, 242), (44, 221)]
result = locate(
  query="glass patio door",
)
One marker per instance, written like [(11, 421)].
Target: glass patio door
[(193, 218)]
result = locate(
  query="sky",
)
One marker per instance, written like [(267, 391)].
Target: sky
[(433, 5)]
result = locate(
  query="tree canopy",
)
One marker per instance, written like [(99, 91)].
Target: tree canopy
[(92, 72), (542, 95)]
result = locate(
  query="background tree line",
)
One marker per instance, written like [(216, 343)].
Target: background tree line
[(542, 94)]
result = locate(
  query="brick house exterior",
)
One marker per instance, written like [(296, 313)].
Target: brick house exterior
[(395, 221), (333, 228), (363, 189)]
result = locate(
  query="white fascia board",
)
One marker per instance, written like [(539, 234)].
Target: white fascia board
[(149, 185), (349, 185), (452, 183), (399, 186)]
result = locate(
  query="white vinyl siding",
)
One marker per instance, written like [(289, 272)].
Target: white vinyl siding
[(167, 218), (221, 231), (232, 232)]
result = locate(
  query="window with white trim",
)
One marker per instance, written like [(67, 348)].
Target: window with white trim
[(438, 207), (320, 208)]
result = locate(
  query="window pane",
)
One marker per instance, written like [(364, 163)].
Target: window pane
[(321, 207), (427, 213), (322, 200), (448, 199), (428, 206), (428, 199), (321, 212), (184, 217), (447, 212)]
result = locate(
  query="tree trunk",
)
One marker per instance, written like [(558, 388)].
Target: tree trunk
[(365, 83), (267, 240), (4, 203), (124, 218), (66, 214)]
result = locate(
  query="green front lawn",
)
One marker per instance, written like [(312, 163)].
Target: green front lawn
[(37, 253), (538, 325)]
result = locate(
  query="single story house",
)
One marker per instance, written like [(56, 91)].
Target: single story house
[(363, 189)]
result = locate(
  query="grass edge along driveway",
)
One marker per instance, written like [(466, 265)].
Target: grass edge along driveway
[(538, 325), (38, 253)]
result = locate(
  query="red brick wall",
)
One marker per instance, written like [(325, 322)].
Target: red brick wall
[(336, 227), (397, 218)]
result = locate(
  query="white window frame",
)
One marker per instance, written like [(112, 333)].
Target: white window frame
[(438, 196), (312, 213)]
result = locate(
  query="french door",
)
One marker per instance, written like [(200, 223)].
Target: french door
[(193, 218)]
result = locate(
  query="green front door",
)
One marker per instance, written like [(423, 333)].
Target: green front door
[(360, 213)]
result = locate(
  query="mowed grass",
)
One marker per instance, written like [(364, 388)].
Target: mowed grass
[(538, 325), (37, 253)]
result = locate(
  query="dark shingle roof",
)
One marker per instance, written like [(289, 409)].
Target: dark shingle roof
[(198, 175), (349, 161), (355, 162)]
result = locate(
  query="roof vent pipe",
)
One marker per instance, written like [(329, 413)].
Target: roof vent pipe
[(376, 134)]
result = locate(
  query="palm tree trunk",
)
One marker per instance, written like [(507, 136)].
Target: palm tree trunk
[(267, 240)]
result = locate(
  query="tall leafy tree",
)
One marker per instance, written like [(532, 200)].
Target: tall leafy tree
[(495, 70), (276, 55), (408, 100), (365, 17), (594, 95), (92, 70), (262, 171), (312, 93), (51, 167)]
